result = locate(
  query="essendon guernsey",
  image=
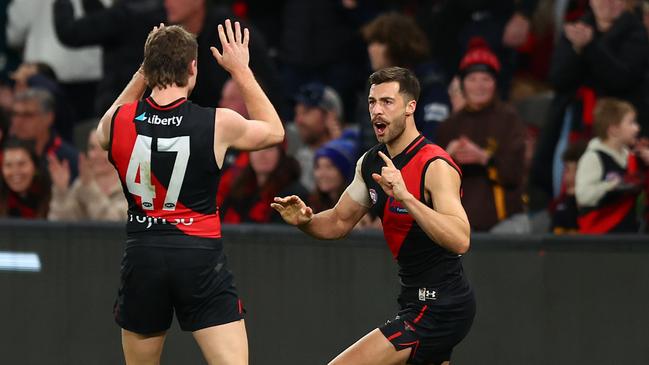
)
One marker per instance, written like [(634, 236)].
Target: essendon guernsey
[(165, 159), (421, 261)]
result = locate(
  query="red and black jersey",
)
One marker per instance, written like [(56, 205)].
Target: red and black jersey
[(615, 212), (165, 159), (422, 262)]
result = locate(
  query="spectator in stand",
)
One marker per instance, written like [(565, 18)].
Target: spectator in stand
[(504, 24), (95, 195), (120, 30), (270, 173), (25, 188), (39, 75), (32, 118), (333, 171), (487, 139), (318, 112), (320, 42), (31, 28), (395, 39), (201, 18), (564, 208), (604, 54), (608, 182)]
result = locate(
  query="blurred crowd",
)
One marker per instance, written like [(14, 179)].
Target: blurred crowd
[(544, 104)]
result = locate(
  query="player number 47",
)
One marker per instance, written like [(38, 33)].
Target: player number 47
[(141, 160)]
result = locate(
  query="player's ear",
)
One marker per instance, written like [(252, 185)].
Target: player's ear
[(410, 107), (193, 68)]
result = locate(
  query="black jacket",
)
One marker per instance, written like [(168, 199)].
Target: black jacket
[(120, 30), (613, 64)]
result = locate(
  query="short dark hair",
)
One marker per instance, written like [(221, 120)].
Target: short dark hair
[(406, 43), (167, 55), (408, 83)]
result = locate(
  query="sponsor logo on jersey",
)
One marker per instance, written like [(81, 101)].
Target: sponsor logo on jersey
[(396, 207), (150, 221), (156, 120), (373, 196), (427, 294)]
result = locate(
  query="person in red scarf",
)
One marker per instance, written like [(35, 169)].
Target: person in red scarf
[(25, 188), (270, 172)]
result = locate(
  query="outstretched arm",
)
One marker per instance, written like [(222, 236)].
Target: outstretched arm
[(265, 127), (329, 225), (446, 223), (333, 223)]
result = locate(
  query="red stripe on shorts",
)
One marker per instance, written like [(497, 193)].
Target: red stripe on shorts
[(421, 314), (394, 336)]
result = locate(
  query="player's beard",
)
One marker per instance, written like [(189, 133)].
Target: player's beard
[(394, 129)]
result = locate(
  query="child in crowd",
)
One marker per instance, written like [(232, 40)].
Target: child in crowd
[(608, 179)]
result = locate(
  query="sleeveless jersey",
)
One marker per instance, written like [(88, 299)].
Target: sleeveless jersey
[(422, 262), (165, 159), (615, 211)]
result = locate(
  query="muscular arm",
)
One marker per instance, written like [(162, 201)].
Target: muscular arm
[(132, 92), (333, 223), (446, 224), (264, 128), (337, 222)]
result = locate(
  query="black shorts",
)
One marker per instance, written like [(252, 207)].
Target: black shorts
[(430, 325), (156, 281)]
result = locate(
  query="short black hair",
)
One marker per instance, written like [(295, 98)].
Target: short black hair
[(408, 83)]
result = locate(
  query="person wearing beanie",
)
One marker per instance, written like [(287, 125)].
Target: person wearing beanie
[(318, 120), (333, 170), (487, 138)]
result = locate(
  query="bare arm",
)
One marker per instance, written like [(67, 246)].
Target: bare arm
[(132, 92), (331, 224), (447, 223), (264, 128)]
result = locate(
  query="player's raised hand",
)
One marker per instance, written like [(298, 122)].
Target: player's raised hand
[(293, 210), (235, 55), (391, 180)]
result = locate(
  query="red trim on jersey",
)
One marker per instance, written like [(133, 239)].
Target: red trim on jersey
[(395, 216), (202, 225), (240, 306), (122, 143), (435, 151), (123, 138), (397, 222), (604, 219), (392, 337), (421, 139), (421, 314), (155, 105)]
